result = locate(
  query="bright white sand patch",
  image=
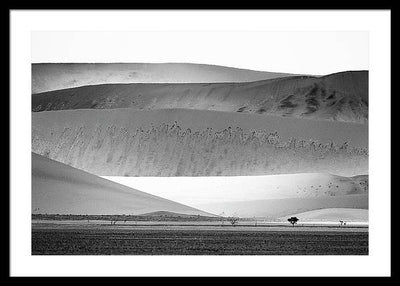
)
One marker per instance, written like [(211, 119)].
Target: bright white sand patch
[(203, 190), (262, 196), (274, 209), (334, 215)]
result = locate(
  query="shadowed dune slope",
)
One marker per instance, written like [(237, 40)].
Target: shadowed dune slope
[(54, 76), (338, 97), (362, 181), (124, 142), (61, 189)]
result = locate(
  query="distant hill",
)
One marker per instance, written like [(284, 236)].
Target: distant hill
[(61, 189), (166, 214), (54, 76)]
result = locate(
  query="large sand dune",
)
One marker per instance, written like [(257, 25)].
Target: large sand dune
[(339, 97), (47, 77), (61, 189), (173, 120), (125, 142)]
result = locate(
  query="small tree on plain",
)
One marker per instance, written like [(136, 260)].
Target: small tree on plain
[(293, 220), (233, 220)]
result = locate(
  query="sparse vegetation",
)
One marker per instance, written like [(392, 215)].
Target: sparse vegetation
[(113, 219), (203, 152), (293, 220), (233, 220)]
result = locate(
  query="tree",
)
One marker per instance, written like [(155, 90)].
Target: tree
[(233, 220), (293, 220)]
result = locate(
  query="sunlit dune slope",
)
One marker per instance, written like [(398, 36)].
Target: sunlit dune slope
[(201, 190), (270, 196), (337, 97), (123, 142), (54, 76)]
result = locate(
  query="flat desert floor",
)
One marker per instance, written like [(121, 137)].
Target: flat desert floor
[(49, 238)]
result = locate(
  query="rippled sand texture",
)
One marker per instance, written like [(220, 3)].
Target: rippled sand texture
[(119, 143)]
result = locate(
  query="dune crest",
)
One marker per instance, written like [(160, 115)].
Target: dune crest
[(54, 76)]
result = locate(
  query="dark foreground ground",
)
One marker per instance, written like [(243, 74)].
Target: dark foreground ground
[(209, 240)]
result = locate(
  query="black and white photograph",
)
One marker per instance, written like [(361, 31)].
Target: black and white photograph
[(199, 142)]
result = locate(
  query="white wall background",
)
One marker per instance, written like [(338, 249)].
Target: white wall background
[(302, 52), (376, 23)]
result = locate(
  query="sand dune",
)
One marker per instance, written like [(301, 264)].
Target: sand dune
[(124, 142), (47, 77), (178, 216), (338, 97), (334, 215), (203, 190), (261, 196), (362, 181), (61, 189), (274, 209), (173, 120)]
